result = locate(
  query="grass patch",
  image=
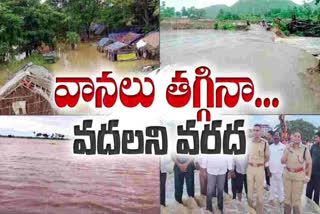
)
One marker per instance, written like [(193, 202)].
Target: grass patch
[(9, 68), (226, 26)]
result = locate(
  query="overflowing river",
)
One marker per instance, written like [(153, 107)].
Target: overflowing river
[(276, 67), (43, 176)]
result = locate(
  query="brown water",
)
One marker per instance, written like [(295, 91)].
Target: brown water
[(277, 67), (87, 60), (42, 176)]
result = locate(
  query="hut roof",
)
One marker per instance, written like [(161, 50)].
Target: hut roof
[(104, 41), (127, 38), (116, 36), (116, 46), (131, 38), (37, 76), (152, 39)]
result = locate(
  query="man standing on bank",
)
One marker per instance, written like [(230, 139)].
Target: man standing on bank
[(313, 187), (276, 169), (217, 167), (258, 155), (183, 170), (295, 175)]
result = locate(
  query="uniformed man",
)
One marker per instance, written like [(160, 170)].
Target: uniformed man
[(258, 155), (297, 172)]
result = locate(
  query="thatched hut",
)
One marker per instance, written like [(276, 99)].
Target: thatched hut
[(148, 46), (27, 92), (126, 37), (119, 51)]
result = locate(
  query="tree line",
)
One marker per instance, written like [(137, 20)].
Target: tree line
[(192, 12), (26, 24), (301, 12), (307, 129)]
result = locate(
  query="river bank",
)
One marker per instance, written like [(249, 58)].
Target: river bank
[(198, 206), (204, 24)]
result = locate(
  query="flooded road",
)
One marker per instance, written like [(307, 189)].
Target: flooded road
[(87, 60), (43, 176), (277, 67)]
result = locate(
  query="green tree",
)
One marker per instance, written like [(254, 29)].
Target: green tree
[(84, 13), (10, 31), (73, 38), (307, 129), (32, 24)]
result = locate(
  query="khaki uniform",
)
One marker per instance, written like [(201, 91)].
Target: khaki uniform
[(255, 175), (294, 181)]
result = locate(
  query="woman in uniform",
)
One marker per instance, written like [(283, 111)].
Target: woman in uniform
[(297, 172)]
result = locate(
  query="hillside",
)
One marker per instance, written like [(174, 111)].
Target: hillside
[(251, 6)]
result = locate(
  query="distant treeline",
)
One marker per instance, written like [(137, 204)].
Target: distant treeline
[(192, 12), (303, 12), (26, 24), (25, 137)]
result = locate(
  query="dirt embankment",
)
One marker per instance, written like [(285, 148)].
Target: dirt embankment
[(198, 24)]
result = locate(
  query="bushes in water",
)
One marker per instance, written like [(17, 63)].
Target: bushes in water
[(73, 38), (286, 32), (225, 26)]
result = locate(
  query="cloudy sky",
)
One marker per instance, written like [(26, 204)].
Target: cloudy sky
[(26, 125), (178, 4)]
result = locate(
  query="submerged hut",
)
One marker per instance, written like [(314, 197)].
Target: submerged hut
[(149, 46), (127, 38), (27, 92), (103, 43), (119, 51)]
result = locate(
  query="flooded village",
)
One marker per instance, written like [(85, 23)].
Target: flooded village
[(71, 38)]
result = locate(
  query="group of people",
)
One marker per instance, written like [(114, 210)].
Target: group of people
[(286, 166)]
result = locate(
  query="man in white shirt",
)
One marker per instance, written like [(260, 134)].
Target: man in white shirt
[(217, 167), (276, 169)]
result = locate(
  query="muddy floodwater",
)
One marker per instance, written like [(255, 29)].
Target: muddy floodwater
[(87, 60), (43, 176), (276, 67)]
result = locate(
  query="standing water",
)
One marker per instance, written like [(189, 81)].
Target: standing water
[(85, 59), (43, 176)]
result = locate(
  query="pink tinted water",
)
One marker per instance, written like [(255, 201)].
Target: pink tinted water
[(43, 176)]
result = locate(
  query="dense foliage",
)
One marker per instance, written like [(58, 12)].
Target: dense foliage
[(27, 24), (308, 129), (301, 12), (192, 12)]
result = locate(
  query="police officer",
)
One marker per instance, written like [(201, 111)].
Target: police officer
[(295, 175), (257, 157)]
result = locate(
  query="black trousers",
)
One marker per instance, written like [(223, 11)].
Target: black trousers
[(163, 178), (267, 177), (233, 187), (241, 180), (313, 188), (179, 178)]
